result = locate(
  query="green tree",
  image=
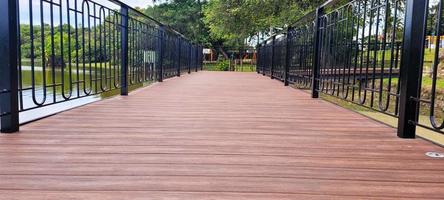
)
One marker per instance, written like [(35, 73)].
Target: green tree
[(233, 21), (57, 49), (26, 41), (185, 16), (227, 24)]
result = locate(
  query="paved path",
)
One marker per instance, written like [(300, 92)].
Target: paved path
[(210, 135)]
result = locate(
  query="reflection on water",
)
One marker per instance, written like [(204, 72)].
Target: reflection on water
[(79, 86)]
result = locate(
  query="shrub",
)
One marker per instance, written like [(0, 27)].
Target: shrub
[(223, 65)]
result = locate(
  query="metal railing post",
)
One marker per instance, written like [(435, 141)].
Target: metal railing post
[(196, 61), (124, 51), (257, 59), (272, 57), (287, 56), (189, 58), (160, 49), (179, 48), (317, 54), (263, 60), (201, 57), (9, 111), (411, 65)]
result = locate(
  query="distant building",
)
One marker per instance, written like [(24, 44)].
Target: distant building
[(210, 55), (431, 42)]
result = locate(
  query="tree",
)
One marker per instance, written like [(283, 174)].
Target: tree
[(233, 21), (26, 41), (184, 16), (57, 49), (227, 24)]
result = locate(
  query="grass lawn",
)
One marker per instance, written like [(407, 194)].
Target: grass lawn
[(244, 68), (426, 82), (429, 55), (210, 67)]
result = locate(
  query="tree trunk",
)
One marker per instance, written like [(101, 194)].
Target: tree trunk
[(223, 52), (56, 61)]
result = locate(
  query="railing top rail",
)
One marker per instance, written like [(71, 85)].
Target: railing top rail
[(309, 14), (332, 2)]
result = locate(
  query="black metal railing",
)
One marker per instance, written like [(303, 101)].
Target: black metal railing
[(378, 54), (56, 51)]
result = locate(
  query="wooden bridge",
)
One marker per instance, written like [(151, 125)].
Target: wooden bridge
[(214, 135)]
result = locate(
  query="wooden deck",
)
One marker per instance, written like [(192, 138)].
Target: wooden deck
[(210, 135)]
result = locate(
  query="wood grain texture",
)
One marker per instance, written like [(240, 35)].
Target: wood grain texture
[(213, 135)]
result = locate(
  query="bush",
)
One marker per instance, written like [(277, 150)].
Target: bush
[(223, 65)]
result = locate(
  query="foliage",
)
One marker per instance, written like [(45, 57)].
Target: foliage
[(223, 65), (184, 16), (57, 49), (234, 20), (227, 24), (26, 40), (83, 48)]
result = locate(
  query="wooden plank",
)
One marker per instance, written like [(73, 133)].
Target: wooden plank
[(306, 161), (215, 170), (156, 195), (222, 184), (211, 150), (215, 135)]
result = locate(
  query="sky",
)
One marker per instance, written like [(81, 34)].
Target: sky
[(138, 3), (24, 6), (133, 3)]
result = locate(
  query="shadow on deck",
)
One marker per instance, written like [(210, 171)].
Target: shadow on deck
[(215, 135)]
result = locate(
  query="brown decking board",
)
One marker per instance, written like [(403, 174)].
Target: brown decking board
[(214, 135)]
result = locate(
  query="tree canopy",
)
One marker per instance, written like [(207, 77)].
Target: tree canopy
[(228, 23), (184, 16), (235, 20)]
